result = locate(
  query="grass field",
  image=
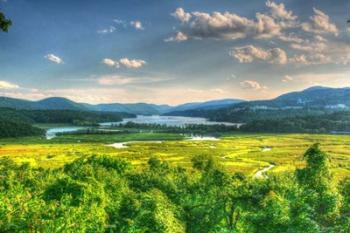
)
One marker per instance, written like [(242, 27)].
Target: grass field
[(245, 153)]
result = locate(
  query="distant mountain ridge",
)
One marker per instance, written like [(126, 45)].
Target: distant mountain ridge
[(212, 104), (311, 98), (314, 100), (59, 103)]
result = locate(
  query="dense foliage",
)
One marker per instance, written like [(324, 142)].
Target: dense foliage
[(73, 117), (312, 101), (63, 116), (102, 194), (189, 128), (15, 128), (243, 115), (15, 123), (338, 122), (4, 22)]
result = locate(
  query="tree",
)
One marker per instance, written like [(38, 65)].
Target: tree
[(319, 200), (4, 22)]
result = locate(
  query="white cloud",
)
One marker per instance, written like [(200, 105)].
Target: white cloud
[(230, 26), (310, 46), (117, 80), (287, 78), (108, 30), (132, 63), (53, 58), (110, 62), (249, 53), (181, 15), (178, 37), (279, 11), (320, 23), (291, 38), (335, 79), (126, 62), (7, 85), (137, 25), (114, 80), (252, 85), (120, 22), (311, 59)]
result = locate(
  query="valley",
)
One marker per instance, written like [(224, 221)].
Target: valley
[(174, 116)]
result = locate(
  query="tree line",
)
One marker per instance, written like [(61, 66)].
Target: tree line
[(16, 123), (105, 194)]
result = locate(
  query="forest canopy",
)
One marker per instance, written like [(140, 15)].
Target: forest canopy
[(105, 194)]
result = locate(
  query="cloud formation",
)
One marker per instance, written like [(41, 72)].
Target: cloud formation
[(108, 30), (230, 26), (252, 85), (7, 85), (132, 63), (320, 23), (181, 15), (278, 23), (117, 80), (137, 25), (226, 25), (279, 11), (287, 78), (179, 36), (249, 53), (54, 58), (125, 62)]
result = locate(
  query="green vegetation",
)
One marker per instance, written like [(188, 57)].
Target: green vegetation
[(313, 101), (16, 123), (4, 22), (245, 153), (63, 116), (200, 129), (10, 128), (326, 123), (105, 194)]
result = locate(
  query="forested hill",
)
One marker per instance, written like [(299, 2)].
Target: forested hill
[(15, 123), (63, 116), (17, 128), (58, 103), (311, 101)]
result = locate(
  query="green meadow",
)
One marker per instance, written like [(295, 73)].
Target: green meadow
[(245, 153)]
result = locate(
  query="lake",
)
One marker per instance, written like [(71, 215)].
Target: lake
[(51, 133), (170, 121), (162, 120)]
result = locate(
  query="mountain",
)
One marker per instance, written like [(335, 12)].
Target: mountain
[(58, 103), (138, 108), (8, 102), (312, 101), (54, 103), (213, 104), (313, 97)]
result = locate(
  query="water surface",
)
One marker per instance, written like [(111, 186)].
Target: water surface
[(178, 121)]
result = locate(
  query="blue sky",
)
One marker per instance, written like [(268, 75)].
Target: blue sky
[(172, 51)]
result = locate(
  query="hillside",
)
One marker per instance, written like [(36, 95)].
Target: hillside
[(58, 103), (213, 104), (311, 101), (61, 116)]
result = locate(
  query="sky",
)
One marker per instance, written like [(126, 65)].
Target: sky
[(174, 51)]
